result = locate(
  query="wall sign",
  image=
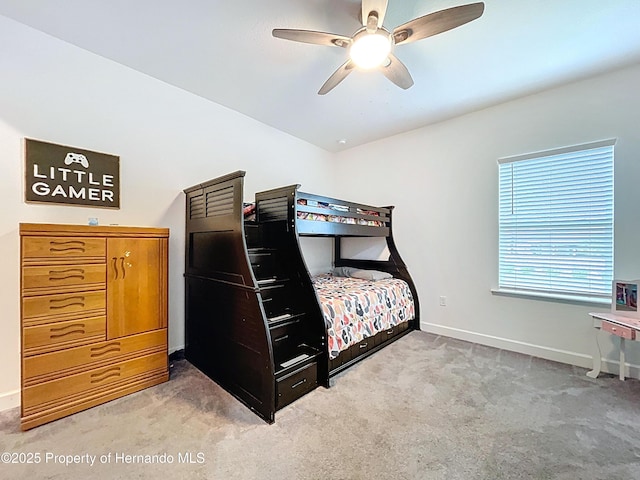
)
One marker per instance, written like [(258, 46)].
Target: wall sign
[(71, 176)]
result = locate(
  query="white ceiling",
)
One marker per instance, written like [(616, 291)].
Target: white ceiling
[(224, 51)]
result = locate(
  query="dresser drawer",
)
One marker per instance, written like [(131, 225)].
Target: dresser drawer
[(362, 346), (54, 248), (402, 327), (619, 330), (296, 384), (63, 304), (54, 336), (45, 394), (52, 278), (388, 334), (80, 358)]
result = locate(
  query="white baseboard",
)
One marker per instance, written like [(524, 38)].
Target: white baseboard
[(9, 400), (540, 351)]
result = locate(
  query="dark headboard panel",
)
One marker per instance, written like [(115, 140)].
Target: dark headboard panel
[(214, 230), (216, 204)]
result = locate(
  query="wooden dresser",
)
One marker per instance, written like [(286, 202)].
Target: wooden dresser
[(93, 316)]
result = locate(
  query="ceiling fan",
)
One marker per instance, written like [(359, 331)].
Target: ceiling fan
[(371, 46)]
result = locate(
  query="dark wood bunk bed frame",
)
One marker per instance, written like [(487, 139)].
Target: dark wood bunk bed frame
[(253, 322)]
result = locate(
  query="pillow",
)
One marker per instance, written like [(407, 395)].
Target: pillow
[(371, 275), (358, 273), (341, 271)]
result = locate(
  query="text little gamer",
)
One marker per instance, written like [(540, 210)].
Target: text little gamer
[(68, 175), (93, 191)]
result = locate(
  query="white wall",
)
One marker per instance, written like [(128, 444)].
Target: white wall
[(167, 140), (442, 178), (443, 181)]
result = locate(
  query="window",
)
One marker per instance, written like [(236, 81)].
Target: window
[(556, 222)]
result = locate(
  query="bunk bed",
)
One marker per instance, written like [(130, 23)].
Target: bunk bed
[(256, 322), (351, 334)]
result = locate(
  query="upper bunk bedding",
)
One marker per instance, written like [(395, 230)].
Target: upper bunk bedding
[(317, 215), (336, 213), (355, 309)]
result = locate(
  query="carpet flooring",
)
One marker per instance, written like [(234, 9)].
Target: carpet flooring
[(425, 407)]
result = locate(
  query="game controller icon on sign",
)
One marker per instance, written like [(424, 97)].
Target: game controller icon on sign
[(76, 158)]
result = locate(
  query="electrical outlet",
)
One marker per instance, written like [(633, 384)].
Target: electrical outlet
[(443, 301)]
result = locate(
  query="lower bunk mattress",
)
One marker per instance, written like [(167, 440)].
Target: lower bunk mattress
[(355, 309)]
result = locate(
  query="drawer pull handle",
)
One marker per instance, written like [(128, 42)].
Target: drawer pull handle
[(105, 349), (102, 376), (279, 339), (75, 301), (66, 274), (115, 265), (60, 247), (70, 332), (124, 272), (78, 328), (389, 332), (364, 345), (297, 384)]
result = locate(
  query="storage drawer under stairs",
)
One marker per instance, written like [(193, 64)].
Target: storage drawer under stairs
[(297, 383)]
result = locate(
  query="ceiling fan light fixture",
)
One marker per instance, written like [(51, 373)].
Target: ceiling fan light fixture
[(370, 50)]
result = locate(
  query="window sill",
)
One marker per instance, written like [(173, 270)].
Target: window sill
[(552, 297)]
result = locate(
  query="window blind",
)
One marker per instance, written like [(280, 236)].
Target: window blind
[(556, 221)]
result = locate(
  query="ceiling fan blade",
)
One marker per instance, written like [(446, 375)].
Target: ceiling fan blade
[(397, 72), (376, 7), (309, 36), (437, 22), (337, 76)]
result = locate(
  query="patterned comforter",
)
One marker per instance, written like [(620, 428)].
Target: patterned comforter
[(355, 309)]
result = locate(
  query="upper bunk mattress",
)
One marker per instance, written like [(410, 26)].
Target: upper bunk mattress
[(355, 309)]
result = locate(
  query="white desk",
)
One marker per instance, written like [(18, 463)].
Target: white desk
[(623, 327)]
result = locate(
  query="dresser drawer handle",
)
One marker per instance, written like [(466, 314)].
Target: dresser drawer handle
[(364, 345), (59, 247), (279, 339), (389, 332), (66, 274), (102, 376), (105, 349), (75, 301), (115, 266), (78, 328), (297, 384)]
